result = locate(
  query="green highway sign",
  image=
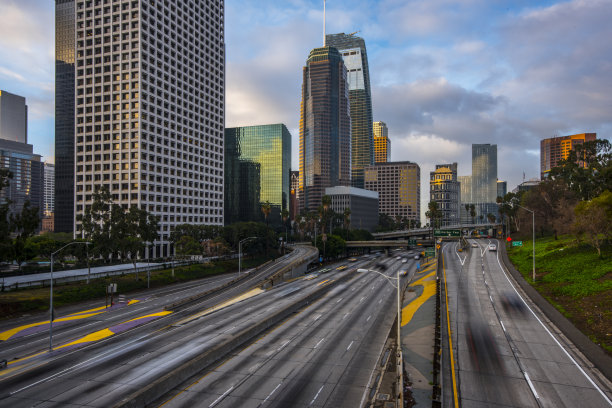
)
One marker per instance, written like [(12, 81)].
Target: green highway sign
[(447, 233), (430, 252), (517, 243), (412, 242)]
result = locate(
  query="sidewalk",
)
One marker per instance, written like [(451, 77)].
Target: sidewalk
[(418, 333)]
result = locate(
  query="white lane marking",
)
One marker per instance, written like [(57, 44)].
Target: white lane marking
[(502, 324), (491, 298), (317, 317), (270, 394), (46, 339), (320, 341), (533, 390), (315, 397), (457, 253), (338, 301), (369, 317), (74, 366), (361, 300), (344, 317), (283, 345), (350, 345), (221, 397), (380, 301), (605, 397)]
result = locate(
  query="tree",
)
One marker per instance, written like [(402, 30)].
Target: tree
[(385, 223), (594, 220), (24, 224), (266, 208), (187, 245), (491, 218), (434, 214), (347, 219), (472, 212)]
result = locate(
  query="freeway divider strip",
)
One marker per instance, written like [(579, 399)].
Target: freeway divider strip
[(182, 373)]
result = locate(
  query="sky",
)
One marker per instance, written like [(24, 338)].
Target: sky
[(444, 73)]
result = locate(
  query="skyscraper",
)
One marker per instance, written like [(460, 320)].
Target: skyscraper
[(480, 188), (325, 127), (444, 190), (266, 148), (382, 144), (13, 117), (555, 149), (149, 107), (355, 58), (64, 114), (398, 185), (49, 190)]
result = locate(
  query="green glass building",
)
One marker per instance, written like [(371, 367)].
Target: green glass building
[(257, 170)]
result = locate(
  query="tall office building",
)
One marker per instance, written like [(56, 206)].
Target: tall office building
[(355, 58), (555, 149), (49, 190), (257, 171), (398, 185), (65, 30), (480, 189), (13, 117), (382, 143), (325, 127), (502, 188), (363, 205), (149, 107), (294, 198), (444, 190)]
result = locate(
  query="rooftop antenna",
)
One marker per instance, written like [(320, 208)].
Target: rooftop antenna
[(324, 42)]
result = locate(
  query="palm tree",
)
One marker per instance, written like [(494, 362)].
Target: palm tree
[(347, 221), (266, 208), (472, 212), (285, 215)]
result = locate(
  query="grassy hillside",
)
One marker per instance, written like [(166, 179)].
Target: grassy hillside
[(574, 280)]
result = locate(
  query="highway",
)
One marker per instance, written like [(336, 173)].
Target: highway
[(502, 350), (349, 324), (323, 357)]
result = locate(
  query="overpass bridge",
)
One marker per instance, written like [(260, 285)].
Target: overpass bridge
[(398, 243), (422, 233)]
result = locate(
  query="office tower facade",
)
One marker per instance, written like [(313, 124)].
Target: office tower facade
[(555, 149), (13, 117), (258, 166), (363, 205), (480, 189), (149, 109), (325, 127), (398, 185), (444, 189), (355, 59), (27, 183), (49, 190), (502, 188), (294, 198), (65, 32), (382, 143)]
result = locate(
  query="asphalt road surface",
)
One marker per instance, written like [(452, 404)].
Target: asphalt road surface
[(503, 354)]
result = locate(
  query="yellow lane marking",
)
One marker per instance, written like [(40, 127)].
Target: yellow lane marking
[(131, 302), (164, 313), (9, 333), (429, 289), (245, 295), (321, 283), (450, 339), (88, 311)]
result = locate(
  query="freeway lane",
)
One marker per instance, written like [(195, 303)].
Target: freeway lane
[(105, 372), (324, 356), (20, 347), (504, 355)]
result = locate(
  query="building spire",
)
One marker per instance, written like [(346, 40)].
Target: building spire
[(324, 23)]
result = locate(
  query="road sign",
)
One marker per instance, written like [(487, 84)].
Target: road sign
[(412, 242), (447, 233), (517, 243), (509, 239), (430, 252)]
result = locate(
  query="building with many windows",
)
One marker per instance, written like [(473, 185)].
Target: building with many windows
[(294, 188), (480, 189), (363, 206), (148, 108), (13, 117), (398, 185), (49, 190), (355, 58), (65, 49), (444, 190), (555, 149), (325, 127), (502, 188), (257, 171), (382, 143)]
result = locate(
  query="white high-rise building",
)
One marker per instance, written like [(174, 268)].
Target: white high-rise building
[(149, 108), (49, 190)]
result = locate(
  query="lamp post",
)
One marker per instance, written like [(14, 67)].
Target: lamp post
[(51, 291), (240, 252), (400, 379), (533, 238)]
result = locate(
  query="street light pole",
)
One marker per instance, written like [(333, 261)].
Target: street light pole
[(51, 291), (533, 239), (240, 252)]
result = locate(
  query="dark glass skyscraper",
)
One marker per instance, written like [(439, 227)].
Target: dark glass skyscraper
[(355, 58), (64, 115), (325, 127), (257, 170)]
